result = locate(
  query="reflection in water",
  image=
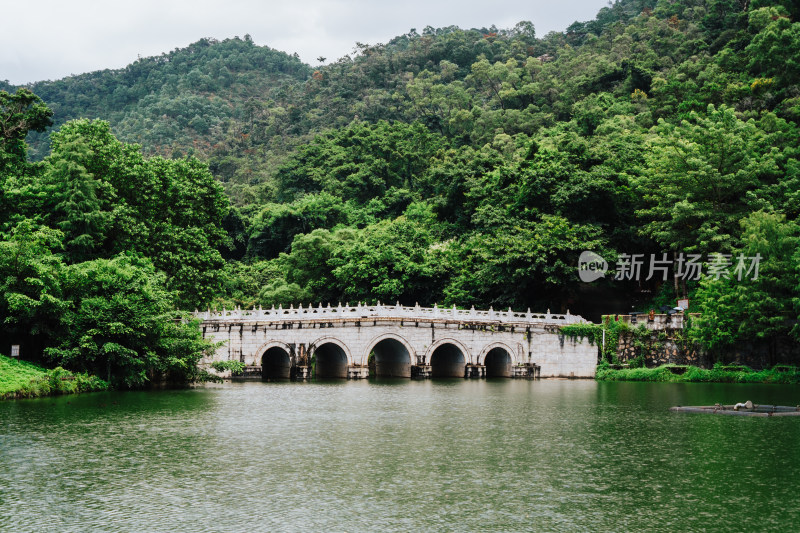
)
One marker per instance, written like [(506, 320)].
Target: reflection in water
[(399, 455)]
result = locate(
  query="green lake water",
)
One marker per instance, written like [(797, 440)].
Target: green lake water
[(404, 455)]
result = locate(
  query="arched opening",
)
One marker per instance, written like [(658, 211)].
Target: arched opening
[(497, 363), (275, 364), (391, 359), (330, 361), (448, 361)]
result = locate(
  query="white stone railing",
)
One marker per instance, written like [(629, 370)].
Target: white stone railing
[(385, 311)]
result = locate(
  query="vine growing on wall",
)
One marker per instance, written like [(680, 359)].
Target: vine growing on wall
[(640, 338), (594, 334)]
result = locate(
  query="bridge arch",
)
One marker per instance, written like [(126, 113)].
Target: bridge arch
[(272, 344), (394, 355), (331, 357), (460, 345), (497, 357), (275, 358), (448, 357), (481, 360)]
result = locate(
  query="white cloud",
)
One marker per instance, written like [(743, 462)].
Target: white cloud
[(51, 39)]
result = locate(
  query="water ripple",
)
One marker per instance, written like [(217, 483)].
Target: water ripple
[(408, 456)]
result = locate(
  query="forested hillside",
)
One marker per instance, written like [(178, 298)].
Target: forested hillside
[(462, 167), (178, 103)]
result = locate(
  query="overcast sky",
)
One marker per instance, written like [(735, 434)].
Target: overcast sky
[(51, 39)]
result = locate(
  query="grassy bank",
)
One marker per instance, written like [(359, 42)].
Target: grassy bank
[(20, 379), (686, 374)]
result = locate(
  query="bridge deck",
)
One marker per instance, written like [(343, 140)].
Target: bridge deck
[(342, 339)]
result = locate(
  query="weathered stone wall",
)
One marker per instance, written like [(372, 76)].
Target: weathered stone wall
[(659, 339), (665, 342), (660, 348)]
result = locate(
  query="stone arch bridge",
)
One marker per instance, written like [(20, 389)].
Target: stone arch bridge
[(344, 341)]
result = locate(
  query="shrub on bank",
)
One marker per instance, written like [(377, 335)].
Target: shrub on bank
[(691, 374), (20, 379)]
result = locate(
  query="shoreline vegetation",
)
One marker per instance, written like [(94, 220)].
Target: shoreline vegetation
[(21, 379), (779, 374)]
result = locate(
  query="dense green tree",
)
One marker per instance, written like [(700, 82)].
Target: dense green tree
[(702, 177), (280, 293), (78, 207), (275, 225), (241, 283), (20, 113), (387, 261), (121, 325), (775, 49), (310, 264), (752, 300), (361, 161), (521, 264), (103, 191), (31, 295)]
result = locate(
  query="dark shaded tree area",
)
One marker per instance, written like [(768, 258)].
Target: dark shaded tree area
[(100, 247), (450, 166)]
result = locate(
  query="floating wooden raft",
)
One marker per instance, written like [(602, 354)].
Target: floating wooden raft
[(739, 410)]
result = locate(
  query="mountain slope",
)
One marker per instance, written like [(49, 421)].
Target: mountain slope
[(176, 103)]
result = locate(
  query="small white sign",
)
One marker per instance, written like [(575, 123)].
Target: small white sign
[(15, 350), (683, 303)]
